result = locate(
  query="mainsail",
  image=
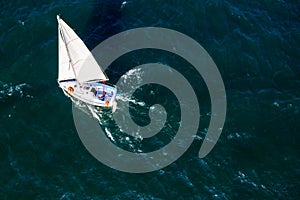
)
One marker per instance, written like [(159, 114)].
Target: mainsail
[(75, 59)]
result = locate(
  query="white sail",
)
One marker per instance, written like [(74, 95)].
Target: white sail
[(65, 70), (75, 59)]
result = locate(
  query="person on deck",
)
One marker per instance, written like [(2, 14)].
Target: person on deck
[(102, 97)]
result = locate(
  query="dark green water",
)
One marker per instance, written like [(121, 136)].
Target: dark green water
[(256, 46)]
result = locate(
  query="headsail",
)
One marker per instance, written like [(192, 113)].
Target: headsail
[(65, 70), (75, 59)]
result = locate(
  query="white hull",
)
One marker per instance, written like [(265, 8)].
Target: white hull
[(93, 93)]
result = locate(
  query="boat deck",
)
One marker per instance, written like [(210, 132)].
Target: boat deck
[(93, 93)]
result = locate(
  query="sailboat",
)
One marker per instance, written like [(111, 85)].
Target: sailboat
[(79, 75)]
